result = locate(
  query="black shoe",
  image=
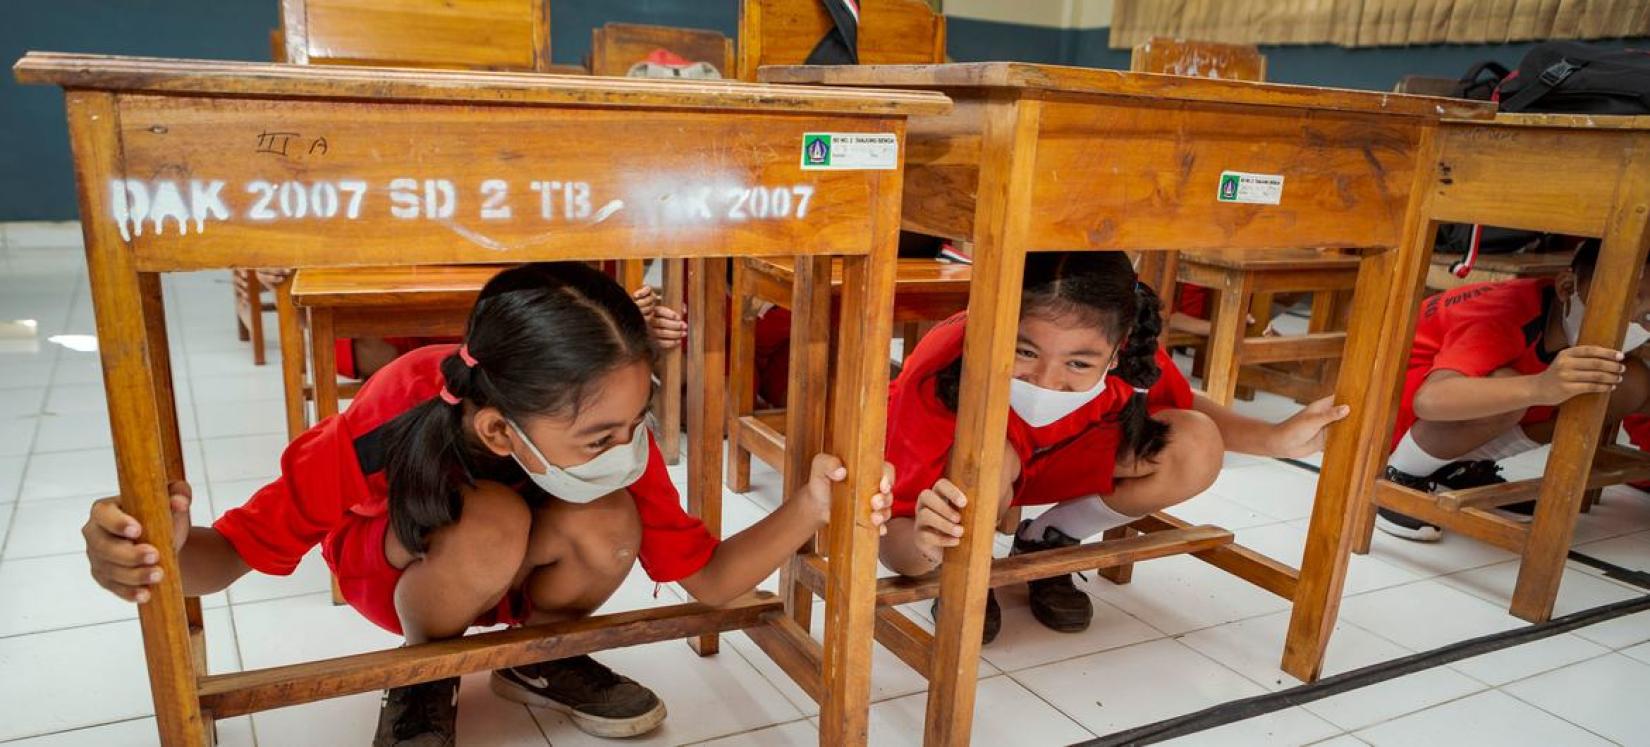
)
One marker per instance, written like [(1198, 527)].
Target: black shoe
[(600, 701), (993, 617), (1406, 527), (423, 715), (1056, 602)]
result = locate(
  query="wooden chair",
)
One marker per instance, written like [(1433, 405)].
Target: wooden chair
[(1496, 267), (927, 291), (891, 32), (455, 34), (1234, 345), (1577, 175), (1299, 367), (592, 130), (614, 49), (249, 311)]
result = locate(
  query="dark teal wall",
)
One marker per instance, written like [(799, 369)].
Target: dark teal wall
[(36, 182)]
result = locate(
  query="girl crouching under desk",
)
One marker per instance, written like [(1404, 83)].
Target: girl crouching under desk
[(1102, 425), (506, 480)]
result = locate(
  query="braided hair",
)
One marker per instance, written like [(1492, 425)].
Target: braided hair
[(1098, 289), (540, 338)]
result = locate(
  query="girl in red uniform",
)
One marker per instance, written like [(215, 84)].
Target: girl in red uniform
[(505, 480), (1102, 425), (1489, 365)]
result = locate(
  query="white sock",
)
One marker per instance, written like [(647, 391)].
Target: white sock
[(1507, 445), (1411, 459), (1079, 518)]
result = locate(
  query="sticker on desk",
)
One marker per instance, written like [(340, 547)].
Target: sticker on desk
[(843, 151), (1257, 189)]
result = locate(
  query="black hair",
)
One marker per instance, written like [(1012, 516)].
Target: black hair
[(1585, 259), (1098, 289), (541, 335)]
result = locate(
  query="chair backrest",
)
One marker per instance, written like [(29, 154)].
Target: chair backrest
[(891, 32), (452, 34), (615, 47), (1198, 59)]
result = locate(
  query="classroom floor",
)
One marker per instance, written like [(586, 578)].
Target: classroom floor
[(1182, 637)]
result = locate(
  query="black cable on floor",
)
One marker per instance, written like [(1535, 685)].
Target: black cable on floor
[(1259, 705)]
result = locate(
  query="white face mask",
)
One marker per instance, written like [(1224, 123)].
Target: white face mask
[(612, 470), (1636, 333), (1039, 407)]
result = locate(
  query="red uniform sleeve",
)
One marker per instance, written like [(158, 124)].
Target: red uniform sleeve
[(1479, 347), (287, 517), (675, 544)]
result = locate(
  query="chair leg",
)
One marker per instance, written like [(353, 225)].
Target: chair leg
[(255, 314), (741, 377), (675, 272), (237, 280), (1118, 574), (1227, 324)]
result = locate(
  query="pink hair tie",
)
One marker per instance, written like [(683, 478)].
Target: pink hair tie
[(464, 355), (447, 396)]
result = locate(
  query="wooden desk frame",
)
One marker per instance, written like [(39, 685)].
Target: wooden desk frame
[(1574, 174), (1034, 157), (142, 119)]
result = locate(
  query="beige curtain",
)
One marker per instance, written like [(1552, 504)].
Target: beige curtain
[(1373, 23)]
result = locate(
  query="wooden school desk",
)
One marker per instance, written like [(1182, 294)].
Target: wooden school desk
[(1041, 157), (1574, 174), (189, 165)]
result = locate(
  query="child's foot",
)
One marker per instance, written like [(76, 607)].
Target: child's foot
[(1407, 527), (600, 701), (422, 715), (1056, 602), (993, 617)]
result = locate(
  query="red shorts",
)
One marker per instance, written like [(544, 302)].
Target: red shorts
[(1415, 377), (1193, 301), (355, 553)]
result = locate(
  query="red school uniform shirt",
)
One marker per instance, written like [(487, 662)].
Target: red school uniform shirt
[(335, 471), (1475, 330), (921, 429)]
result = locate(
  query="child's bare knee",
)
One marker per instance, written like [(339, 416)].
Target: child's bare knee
[(490, 537), (1195, 449)]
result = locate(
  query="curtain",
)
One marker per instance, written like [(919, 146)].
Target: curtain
[(1373, 23)]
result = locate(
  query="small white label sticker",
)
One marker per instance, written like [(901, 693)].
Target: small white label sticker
[(840, 151), (1259, 189)]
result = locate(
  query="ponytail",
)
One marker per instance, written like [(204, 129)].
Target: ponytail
[(540, 338), (1143, 436)]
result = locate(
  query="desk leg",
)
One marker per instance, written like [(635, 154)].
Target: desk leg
[(1610, 298), (1381, 325), (131, 327), (1002, 212), (707, 408), (290, 329), (670, 378), (805, 405)]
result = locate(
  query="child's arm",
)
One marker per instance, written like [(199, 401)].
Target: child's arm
[(124, 566), (1301, 435), (743, 560), (1448, 396)]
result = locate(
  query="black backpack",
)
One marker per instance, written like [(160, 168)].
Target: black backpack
[(1555, 77)]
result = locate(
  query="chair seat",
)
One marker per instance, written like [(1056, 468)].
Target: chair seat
[(909, 273), (390, 286)]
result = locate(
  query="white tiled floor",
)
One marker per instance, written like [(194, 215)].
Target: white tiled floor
[(1183, 636)]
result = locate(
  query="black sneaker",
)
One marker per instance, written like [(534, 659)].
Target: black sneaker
[(1056, 601), (1407, 527), (993, 617), (600, 701), (423, 715)]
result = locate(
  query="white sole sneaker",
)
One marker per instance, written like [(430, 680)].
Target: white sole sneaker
[(1423, 533), (596, 726)]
